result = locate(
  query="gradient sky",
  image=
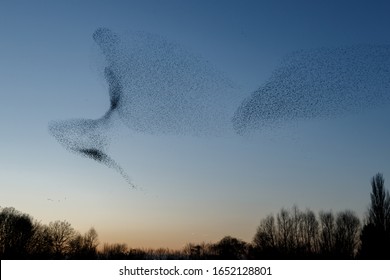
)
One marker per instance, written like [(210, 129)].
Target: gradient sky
[(194, 188)]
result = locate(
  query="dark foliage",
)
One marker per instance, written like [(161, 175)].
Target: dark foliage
[(16, 231), (375, 236)]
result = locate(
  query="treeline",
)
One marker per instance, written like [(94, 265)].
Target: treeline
[(23, 238), (290, 234)]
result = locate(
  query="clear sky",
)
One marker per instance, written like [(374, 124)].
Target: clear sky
[(193, 188)]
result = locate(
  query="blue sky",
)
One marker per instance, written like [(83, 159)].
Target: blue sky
[(194, 188)]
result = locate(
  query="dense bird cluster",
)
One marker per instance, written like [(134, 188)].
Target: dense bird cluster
[(156, 86), (88, 138), (316, 84)]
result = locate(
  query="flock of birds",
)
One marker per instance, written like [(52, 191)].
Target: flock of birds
[(156, 86)]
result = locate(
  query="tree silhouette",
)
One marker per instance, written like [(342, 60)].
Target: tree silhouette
[(115, 251), (294, 235), (16, 230), (83, 246), (308, 230), (41, 243), (327, 235), (285, 231), (200, 251), (61, 233), (375, 235), (347, 235), (91, 241), (265, 239), (379, 212), (230, 248)]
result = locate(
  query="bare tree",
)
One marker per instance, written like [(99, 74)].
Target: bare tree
[(327, 233), (61, 233), (294, 234), (84, 246), (265, 239), (299, 232), (41, 243), (296, 239), (347, 234), (199, 251), (76, 249), (309, 233), (115, 251), (16, 230), (285, 230), (91, 240)]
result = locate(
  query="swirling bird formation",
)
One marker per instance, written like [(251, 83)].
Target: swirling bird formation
[(156, 86)]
